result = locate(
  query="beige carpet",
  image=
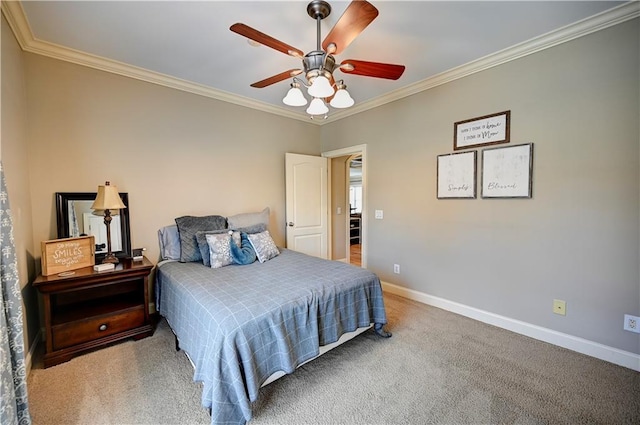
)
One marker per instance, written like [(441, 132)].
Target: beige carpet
[(438, 368)]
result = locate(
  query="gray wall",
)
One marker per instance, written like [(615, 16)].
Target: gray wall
[(577, 239)]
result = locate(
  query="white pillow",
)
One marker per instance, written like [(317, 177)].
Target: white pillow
[(219, 250), (249, 219), (264, 246)]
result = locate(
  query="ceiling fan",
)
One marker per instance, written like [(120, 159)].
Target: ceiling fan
[(319, 64)]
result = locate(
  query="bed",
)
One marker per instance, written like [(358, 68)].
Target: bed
[(241, 325)]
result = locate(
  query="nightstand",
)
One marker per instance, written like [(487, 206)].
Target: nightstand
[(89, 309)]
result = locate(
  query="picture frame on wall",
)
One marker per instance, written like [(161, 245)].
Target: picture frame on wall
[(482, 131), (507, 172), (456, 175)]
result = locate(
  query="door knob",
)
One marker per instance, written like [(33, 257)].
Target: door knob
[(290, 224)]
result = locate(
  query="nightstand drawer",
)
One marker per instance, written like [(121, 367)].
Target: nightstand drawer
[(72, 333)]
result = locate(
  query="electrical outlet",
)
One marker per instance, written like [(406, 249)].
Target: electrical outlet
[(560, 307), (396, 268), (631, 323)]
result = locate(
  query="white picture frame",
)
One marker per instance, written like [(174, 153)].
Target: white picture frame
[(507, 172), (456, 175)]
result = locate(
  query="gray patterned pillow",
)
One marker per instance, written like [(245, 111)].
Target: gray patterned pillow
[(264, 246), (203, 245), (188, 226), (219, 249)]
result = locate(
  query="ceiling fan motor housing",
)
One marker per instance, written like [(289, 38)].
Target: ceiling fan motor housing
[(318, 9), (317, 63)]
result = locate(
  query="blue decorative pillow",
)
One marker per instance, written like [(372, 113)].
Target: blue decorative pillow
[(169, 239), (245, 254)]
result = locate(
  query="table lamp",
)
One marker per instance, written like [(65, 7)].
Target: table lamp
[(108, 199)]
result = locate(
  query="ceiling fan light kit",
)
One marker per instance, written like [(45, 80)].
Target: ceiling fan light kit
[(294, 96), (321, 87), (342, 99), (319, 65), (317, 107)]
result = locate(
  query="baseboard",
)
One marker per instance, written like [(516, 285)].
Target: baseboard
[(580, 345), (28, 360)]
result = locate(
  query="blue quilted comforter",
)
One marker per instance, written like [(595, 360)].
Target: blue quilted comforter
[(240, 324)]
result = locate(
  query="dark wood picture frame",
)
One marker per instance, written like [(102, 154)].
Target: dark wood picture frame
[(62, 218), (487, 130)]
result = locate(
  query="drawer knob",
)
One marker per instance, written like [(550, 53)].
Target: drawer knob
[(102, 327)]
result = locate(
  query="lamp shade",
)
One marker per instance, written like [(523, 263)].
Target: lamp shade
[(294, 97), (321, 87), (317, 107), (342, 99), (107, 198)]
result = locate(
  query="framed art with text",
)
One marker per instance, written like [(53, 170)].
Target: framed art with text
[(507, 172), (456, 177), (486, 130)]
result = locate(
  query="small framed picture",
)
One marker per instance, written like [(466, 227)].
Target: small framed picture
[(507, 172), (486, 130), (457, 175)]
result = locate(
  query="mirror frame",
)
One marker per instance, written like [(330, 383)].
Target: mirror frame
[(62, 217)]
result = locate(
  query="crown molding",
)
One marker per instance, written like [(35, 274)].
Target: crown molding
[(18, 23), (606, 19), (14, 13)]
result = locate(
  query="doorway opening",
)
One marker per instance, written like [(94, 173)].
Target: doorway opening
[(348, 205), (354, 233)]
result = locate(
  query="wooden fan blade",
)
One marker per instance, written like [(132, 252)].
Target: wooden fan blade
[(358, 15), (374, 69), (264, 39), (275, 79)]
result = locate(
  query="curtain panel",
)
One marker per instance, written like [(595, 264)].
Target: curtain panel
[(14, 407)]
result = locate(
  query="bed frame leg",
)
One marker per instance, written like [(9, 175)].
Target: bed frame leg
[(380, 331)]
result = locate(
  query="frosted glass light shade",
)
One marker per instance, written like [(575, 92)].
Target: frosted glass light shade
[(317, 107), (342, 99), (294, 97), (321, 87)]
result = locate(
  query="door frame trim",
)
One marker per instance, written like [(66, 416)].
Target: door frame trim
[(355, 150)]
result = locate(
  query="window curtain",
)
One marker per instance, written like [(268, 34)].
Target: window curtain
[(14, 408)]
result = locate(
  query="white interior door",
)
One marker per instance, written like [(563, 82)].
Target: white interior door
[(307, 208)]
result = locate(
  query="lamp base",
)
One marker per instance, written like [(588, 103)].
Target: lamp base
[(110, 258)]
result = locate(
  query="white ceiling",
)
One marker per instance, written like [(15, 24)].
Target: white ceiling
[(190, 44)]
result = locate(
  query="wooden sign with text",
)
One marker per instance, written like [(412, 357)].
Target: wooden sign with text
[(62, 255), (487, 130)]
